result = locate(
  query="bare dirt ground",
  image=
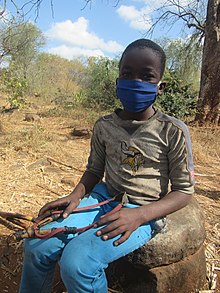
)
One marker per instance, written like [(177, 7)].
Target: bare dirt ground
[(44, 159)]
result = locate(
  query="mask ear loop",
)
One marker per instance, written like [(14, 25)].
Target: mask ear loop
[(161, 85), (158, 87)]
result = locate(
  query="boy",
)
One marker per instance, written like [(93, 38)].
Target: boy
[(140, 150)]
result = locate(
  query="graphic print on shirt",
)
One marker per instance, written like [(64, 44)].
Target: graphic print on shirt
[(133, 158)]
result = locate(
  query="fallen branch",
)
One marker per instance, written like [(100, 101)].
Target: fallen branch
[(48, 189), (205, 175), (3, 267), (61, 163)]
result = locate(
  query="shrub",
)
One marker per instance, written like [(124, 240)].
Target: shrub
[(179, 99), (15, 87), (100, 85)]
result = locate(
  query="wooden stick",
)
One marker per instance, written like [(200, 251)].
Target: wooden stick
[(48, 189), (205, 175), (61, 163)]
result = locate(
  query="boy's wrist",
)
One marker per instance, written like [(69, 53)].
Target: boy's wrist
[(79, 191)]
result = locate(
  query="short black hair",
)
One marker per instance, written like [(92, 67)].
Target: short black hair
[(146, 43)]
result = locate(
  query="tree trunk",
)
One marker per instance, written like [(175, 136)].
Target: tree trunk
[(208, 108)]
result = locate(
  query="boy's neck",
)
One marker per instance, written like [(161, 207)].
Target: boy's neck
[(139, 116)]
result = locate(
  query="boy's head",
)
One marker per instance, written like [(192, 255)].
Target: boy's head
[(141, 68), (151, 48)]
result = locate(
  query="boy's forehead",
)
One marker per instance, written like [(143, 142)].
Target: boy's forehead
[(141, 57)]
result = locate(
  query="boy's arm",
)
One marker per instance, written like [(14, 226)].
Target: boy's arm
[(69, 202), (170, 203), (93, 174)]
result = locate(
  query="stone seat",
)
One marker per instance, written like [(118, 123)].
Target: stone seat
[(173, 261)]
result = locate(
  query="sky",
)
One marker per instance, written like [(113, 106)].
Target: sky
[(103, 28)]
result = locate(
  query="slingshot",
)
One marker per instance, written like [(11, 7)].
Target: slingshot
[(26, 226)]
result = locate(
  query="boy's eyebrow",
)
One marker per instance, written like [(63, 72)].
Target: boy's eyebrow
[(143, 68), (126, 67), (148, 68)]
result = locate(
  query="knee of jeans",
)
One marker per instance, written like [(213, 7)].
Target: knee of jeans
[(79, 264), (32, 249), (38, 251), (69, 266), (30, 246)]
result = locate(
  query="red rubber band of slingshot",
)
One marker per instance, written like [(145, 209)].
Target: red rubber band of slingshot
[(77, 230)]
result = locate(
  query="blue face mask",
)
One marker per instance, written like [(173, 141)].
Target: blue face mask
[(136, 96)]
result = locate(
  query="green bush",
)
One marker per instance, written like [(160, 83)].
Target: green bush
[(179, 99), (15, 87), (101, 84)]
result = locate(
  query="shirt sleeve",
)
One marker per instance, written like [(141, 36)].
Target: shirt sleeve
[(96, 160), (181, 169)]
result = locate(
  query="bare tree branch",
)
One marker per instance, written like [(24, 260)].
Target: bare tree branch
[(4, 9), (173, 11)]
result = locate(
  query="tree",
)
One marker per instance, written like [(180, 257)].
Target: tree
[(100, 85), (207, 27), (7, 26), (184, 59), (209, 96), (21, 42), (54, 77), (29, 5)]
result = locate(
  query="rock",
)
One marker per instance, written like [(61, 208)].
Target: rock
[(38, 164), (30, 117), (69, 180), (183, 235), (80, 132), (185, 276), (173, 261)]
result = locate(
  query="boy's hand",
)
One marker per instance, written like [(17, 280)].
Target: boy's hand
[(123, 223), (67, 203)]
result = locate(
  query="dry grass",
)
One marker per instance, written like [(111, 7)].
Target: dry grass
[(35, 156)]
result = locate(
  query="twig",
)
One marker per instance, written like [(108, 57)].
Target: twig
[(3, 267), (61, 163), (28, 201), (48, 189), (205, 175)]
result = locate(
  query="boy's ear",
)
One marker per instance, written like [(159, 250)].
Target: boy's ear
[(161, 88)]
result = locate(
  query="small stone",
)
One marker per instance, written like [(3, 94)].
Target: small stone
[(80, 132), (68, 180), (32, 117), (38, 164)]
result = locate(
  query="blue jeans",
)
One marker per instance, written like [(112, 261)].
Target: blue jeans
[(83, 257)]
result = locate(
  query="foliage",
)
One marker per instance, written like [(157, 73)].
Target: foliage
[(56, 78), (184, 58), (179, 99), (15, 87), (100, 85), (21, 43)]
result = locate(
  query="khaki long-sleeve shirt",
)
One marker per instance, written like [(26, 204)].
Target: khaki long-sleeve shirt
[(142, 158)]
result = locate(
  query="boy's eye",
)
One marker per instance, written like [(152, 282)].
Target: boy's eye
[(147, 76), (125, 74)]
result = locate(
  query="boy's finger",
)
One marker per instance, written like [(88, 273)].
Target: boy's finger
[(68, 210), (122, 239), (106, 219), (52, 205)]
